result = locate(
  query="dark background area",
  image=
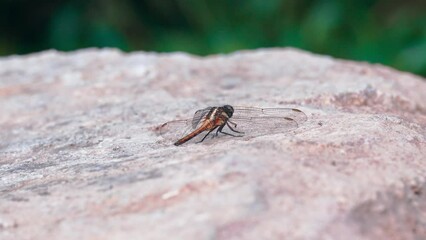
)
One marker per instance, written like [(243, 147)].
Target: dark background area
[(391, 32)]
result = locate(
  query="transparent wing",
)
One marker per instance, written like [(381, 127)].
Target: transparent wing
[(198, 115), (174, 130), (258, 126), (247, 113), (264, 121)]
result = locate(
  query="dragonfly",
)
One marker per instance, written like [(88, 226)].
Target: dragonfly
[(231, 121)]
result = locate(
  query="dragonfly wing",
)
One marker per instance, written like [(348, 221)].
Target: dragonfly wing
[(198, 115), (174, 130), (266, 125), (264, 121), (246, 113)]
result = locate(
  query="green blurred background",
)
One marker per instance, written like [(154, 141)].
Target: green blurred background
[(391, 32)]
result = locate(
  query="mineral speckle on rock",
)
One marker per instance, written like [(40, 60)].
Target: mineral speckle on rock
[(80, 157)]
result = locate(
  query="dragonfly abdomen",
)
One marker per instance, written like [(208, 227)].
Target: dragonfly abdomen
[(207, 125)]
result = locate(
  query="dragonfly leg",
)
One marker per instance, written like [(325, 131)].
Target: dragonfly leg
[(231, 134), (207, 134), (229, 121), (219, 130), (233, 129)]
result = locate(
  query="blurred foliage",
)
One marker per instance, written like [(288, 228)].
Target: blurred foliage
[(392, 32)]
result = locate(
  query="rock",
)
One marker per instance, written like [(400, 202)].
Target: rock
[(80, 157)]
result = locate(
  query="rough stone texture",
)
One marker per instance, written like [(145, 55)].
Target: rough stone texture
[(79, 157)]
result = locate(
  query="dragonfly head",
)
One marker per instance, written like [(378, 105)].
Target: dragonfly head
[(229, 110)]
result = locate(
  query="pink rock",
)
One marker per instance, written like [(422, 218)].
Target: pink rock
[(80, 157)]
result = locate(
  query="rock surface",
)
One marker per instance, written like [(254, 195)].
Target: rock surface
[(80, 157)]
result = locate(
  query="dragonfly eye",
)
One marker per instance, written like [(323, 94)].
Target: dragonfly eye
[(229, 110)]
